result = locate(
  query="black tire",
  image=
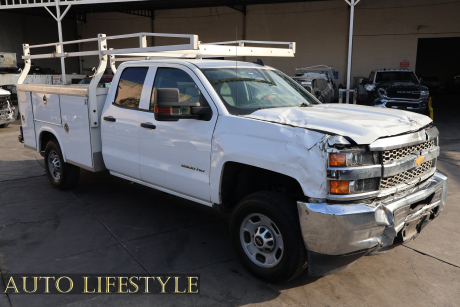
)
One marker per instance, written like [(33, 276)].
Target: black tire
[(4, 125), (68, 173), (283, 212)]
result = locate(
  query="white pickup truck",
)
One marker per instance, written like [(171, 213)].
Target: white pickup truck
[(308, 185)]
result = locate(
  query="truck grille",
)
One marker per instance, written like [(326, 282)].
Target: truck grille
[(399, 153), (408, 94), (406, 176)]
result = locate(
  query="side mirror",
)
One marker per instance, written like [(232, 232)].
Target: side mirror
[(168, 106)]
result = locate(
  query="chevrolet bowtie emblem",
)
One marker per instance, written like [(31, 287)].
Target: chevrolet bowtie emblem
[(419, 160)]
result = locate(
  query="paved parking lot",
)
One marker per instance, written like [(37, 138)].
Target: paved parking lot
[(108, 225)]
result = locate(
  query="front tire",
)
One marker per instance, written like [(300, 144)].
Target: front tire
[(61, 174), (4, 125), (266, 237)]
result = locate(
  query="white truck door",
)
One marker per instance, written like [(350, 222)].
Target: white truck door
[(120, 123), (176, 154)]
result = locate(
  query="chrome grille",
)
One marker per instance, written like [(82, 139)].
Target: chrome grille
[(406, 176), (399, 153)]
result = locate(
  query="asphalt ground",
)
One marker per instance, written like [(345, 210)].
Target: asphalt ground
[(107, 225)]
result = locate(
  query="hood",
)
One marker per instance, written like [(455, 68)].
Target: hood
[(362, 124)]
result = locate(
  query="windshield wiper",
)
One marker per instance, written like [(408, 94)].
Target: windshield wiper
[(305, 105)]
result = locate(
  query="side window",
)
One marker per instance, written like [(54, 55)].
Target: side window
[(323, 85), (130, 87), (371, 77), (176, 78)]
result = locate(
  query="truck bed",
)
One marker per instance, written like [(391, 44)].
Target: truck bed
[(63, 110)]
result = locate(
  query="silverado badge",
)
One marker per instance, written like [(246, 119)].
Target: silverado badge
[(419, 160)]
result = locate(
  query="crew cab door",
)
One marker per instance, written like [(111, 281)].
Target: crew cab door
[(120, 122), (176, 155)]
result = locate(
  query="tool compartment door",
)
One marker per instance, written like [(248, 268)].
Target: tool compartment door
[(27, 119), (46, 108), (75, 132)]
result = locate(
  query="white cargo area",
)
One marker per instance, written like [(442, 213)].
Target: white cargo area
[(62, 110)]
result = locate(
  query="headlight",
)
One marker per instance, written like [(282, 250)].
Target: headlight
[(382, 92), (350, 159), (425, 94), (357, 158), (353, 186)]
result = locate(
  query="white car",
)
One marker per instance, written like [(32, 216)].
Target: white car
[(7, 110), (308, 185)]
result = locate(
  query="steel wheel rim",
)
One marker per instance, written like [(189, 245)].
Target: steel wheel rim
[(256, 233), (54, 165)]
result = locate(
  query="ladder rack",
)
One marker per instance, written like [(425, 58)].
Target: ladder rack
[(192, 49)]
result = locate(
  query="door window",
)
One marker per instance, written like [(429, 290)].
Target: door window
[(130, 87), (176, 78)]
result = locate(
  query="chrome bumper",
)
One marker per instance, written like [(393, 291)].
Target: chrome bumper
[(341, 229)]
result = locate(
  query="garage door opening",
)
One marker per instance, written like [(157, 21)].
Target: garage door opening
[(438, 57)]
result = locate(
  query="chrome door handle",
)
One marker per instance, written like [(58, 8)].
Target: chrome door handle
[(148, 126), (110, 119)]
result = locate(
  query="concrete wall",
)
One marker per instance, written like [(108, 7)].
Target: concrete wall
[(386, 31), (17, 29)]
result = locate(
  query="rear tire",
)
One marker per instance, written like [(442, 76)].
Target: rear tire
[(266, 237), (61, 174)]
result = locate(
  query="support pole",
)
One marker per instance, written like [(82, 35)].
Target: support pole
[(61, 47), (350, 47)]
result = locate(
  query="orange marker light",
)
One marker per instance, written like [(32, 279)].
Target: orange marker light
[(162, 110), (337, 159), (339, 187)]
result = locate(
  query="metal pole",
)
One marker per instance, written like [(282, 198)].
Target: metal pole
[(350, 47), (58, 16)]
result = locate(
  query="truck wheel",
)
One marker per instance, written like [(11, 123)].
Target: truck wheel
[(61, 174), (4, 125), (266, 237)]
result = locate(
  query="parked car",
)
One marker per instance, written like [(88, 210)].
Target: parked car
[(397, 89), (106, 79), (13, 92), (307, 185), (317, 85), (433, 83), (13, 96), (327, 72), (453, 83), (7, 110)]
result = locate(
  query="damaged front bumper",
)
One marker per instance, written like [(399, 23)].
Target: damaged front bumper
[(415, 105), (336, 235), (7, 115)]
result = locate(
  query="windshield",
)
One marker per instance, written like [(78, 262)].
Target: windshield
[(396, 76), (254, 89)]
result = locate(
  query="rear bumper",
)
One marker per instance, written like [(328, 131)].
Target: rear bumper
[(346, 230)]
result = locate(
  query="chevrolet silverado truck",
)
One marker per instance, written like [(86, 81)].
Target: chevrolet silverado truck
[(397, 89), (308, 186)]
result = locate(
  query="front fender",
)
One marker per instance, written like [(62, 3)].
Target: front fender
[(295, 152)]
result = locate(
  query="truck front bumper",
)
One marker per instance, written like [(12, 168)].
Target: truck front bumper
[(414, 105), (336, 235)]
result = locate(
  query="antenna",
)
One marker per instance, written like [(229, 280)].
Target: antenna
[(236, 65)]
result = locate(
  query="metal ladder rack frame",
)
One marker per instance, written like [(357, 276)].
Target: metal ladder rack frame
[(193, 49)]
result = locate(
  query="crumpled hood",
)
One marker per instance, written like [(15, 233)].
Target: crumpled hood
[(362, 124)]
